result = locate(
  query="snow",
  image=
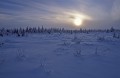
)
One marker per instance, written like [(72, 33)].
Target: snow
[(82, 55)]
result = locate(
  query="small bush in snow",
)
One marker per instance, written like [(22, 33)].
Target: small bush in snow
[(66, 43), (43, 67), (115, 35), (1, 44), (20, 55), (96, 51), (77, 53), (76, 40), (102, 38)]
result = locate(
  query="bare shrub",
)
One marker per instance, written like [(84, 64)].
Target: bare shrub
[(77, 53), (101, 38), (20, 55)]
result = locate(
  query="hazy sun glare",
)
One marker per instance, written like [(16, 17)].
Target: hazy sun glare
[(78, 21), (78, 18)]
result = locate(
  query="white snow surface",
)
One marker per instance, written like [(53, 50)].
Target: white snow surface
[(60, 56)]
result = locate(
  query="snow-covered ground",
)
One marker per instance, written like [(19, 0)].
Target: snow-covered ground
[(93, 55)]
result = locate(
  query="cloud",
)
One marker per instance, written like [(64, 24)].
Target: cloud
[(57, 12), (115, 12)]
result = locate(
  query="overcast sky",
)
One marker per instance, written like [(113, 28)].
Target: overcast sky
[(59, 13)]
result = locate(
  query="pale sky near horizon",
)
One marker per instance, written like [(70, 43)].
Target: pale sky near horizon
[(60, 13)]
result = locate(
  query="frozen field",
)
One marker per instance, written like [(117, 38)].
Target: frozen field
[(93, 55)]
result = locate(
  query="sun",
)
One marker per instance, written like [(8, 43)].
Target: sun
[(78, 21)]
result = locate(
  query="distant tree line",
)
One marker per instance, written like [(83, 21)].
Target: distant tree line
[(23, 31)]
